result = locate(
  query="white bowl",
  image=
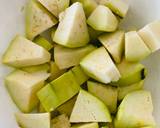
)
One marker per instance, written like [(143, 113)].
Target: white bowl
[(12, 22)]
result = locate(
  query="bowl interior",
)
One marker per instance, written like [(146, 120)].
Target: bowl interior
[(12, 22)]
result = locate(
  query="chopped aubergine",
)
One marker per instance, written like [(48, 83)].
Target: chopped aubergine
[(38, 19), (58, 91), (60, 121), (55, 6), (123, 91), (89, 108), (88, 5), (105, 20), (36, 120), (114, 43), (72, 31), (130, 73), (99, 66), (27, 85), (119, 7), (105, 93), (151, 35), (135, 49), (135, 111), (55, 71), (41, 41), (68, 57), (23, 52)]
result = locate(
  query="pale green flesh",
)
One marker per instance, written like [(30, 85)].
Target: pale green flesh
[(88, 5), (86, 125), (67, 57), (119, 7), (105, 93), (60, 121), (135, 111), (89, 109), (41, 41), (135, 49), (130, 73), (41, 120), (58, 91), (105, 19), (114, 43), (27, 85), (72, 31), (28, 53), (55, 6), (38, 19), (99, 66)]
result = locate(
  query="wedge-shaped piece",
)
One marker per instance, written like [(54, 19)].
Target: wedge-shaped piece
[(58, 91), (130, 73), (38, 19), (151, 35), (135, 111), (72, 31), (88, 5), (119, 7), (114, 43), (105, 93), (22, 52), (79, 74), (23, 87), (123, 91), (135, 48), (105, 19), (61, 121), (55, 6), (36, 68), (89, 109), (99, 66), (55, 71), (67, 57), (86, 125), (41, 120), (41, 41), (67, 107)]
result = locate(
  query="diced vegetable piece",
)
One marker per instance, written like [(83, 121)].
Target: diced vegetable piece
[(41, 120), (72, 30), (88, 5), (123, 91), (55, 71), (67, 57), (67, 107), (23, 87), (114, 43), (58, 91), (130, 73), (22, 52), (105, 93), (38, 19), (79, 74), (86, 125), (99, 66), (135, 111), (102, 19), (151, 35), (89, 109), (55, 6), (61, 121), (119, 7), (36, 68), (41, 41), (135, 48)]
